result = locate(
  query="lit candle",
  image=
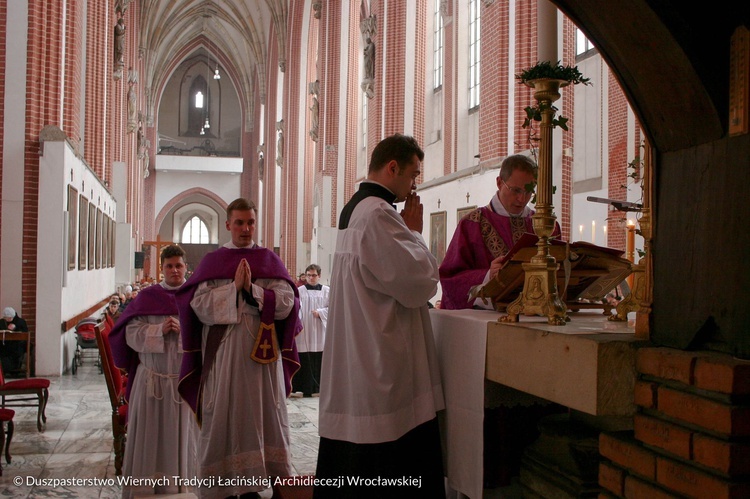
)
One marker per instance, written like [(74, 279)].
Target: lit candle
[(580, 232), (593, 232)]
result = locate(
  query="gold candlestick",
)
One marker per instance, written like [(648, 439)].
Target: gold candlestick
[(539, 295)]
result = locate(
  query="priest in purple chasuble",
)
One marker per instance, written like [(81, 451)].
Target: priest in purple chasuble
[(484, 236), (239, 316), (146, 342)]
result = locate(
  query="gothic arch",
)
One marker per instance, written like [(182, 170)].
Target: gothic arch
[(182, 197)]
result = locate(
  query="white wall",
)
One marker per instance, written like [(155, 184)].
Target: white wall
[(63, 293)]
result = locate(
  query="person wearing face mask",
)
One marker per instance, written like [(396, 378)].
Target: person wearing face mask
[(485, 235), (146, 342)]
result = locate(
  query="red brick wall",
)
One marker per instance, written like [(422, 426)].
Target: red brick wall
[(352, 126), (295, 119), (98, 72), (493, 128), (395, 54), (691, 431), (568, 107), (43, 107), (73, 68), (419, 74), (618, 160), (526, 56), (330, 80)]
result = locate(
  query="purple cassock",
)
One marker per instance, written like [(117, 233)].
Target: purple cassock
[(222, 264), (153, 300), (481, 236)]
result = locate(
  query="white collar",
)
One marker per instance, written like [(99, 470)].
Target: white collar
[(497, 207), (231, 245)]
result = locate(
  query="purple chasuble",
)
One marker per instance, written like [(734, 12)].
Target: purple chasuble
[(222, 264), (481, 236), (153, 300)]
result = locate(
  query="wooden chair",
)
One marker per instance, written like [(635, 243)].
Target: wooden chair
[(38, 388), (116, 389), (6, 415)]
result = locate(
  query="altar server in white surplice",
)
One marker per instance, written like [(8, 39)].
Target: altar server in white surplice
[(380, 387), (146, 342), (313, 306)]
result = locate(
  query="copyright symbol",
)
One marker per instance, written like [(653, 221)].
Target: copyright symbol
[(18, 481)]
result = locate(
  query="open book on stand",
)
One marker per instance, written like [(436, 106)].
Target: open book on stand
[(587, 273)]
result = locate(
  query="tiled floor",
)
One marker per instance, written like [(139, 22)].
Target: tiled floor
[(77, 442)]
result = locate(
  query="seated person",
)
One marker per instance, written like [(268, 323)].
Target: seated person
[(111, 314), (484, 236), (12, 352)]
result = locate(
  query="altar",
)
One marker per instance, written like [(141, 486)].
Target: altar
[(587, 365)]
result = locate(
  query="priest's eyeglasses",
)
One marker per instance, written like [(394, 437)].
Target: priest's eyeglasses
[(516, 191), (311, 275)]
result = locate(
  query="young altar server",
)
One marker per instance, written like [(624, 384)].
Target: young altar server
[(146, 342)]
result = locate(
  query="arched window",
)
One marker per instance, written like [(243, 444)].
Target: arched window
[(198, 109), (195, 232)]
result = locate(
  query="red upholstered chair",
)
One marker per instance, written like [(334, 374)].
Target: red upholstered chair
[(38, 388), (6, 415), (116, 389)]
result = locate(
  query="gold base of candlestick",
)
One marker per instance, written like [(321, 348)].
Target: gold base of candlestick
[(539, 295), (632, 302)]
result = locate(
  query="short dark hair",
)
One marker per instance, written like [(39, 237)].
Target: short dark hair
[(171, 251), (402, 148), (240, 204), (517, 162), (313, 266)]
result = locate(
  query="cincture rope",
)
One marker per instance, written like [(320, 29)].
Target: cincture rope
[(151, 389)]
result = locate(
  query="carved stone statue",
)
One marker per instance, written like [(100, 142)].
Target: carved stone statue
[(368, 84), (314, 110), (132, 109), (280, 143), (317, 8), (119, 43)]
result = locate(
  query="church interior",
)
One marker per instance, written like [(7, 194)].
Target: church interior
[(143, 119)]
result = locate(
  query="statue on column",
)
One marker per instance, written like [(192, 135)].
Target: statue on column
[(261, 150), (132, 101), (317, 8), (144, 146), (368, 83), (314, 110), (119, 45), (280, 143)]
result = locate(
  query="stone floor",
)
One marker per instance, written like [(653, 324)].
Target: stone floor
[(77, 441)]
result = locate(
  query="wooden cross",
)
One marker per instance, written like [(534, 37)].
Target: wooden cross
[(159, 245)]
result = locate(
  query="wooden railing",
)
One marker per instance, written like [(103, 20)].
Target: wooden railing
[(71, 323)]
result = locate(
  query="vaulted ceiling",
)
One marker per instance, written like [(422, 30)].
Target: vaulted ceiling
[(233, 32)]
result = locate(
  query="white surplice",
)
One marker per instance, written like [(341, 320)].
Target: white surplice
[(244, 431), (159, 421), (313, 335), (379, 376)]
